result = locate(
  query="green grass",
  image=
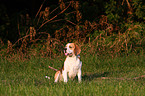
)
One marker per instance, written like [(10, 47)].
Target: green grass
[(27, 78)]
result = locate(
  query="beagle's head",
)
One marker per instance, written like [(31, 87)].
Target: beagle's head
[(72, 49)]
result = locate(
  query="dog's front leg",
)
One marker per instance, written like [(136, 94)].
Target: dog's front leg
[(79, 76), (80, 73), (65, 75)]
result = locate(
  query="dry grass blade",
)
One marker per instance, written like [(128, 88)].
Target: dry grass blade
[(39, 9), (55, 16)]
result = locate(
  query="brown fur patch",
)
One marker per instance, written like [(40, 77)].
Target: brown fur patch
[(72, 46), (60, 78), (77, 50)]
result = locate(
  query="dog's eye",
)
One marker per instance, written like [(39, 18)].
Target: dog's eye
[(70, 47)]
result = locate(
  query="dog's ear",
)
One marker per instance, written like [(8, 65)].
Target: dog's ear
[(77, 50)]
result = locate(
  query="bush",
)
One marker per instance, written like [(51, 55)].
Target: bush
[(119, 30)]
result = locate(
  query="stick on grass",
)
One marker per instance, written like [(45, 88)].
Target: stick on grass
[(53, 68)]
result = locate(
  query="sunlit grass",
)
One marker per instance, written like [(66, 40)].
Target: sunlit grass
[(28, 77)]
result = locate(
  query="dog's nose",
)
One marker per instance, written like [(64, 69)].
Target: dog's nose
[(65, 49)]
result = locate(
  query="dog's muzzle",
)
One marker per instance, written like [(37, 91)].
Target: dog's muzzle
[(65, 51), (67, 54)]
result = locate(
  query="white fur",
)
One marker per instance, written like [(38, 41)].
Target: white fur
[(72, 66)]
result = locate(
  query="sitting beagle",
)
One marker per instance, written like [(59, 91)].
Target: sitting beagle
[(72, 65)]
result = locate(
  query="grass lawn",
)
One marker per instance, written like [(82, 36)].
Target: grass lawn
[(27, 78)]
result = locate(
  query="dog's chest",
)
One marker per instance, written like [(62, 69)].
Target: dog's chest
[(72, 64)]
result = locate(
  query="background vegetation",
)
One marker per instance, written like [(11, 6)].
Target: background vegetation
[(42, 28)]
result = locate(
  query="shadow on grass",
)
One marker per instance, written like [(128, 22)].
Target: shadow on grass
[(90, 77)]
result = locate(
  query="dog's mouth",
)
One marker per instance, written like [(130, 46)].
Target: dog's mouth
[(68, 54)]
